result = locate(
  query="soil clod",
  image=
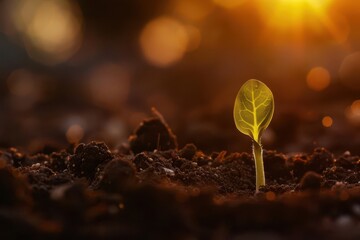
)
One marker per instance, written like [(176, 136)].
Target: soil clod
[(152, 134), (87, 158), (310, 181)]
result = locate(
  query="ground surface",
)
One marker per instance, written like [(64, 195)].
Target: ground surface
[(149, 189)]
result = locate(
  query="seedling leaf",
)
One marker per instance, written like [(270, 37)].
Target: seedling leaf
[(253, 111), (254, 108)]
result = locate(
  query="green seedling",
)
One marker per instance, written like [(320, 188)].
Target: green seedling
[(253, 111)]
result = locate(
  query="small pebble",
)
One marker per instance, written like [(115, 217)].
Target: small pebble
[(36, 165), (169, 171)]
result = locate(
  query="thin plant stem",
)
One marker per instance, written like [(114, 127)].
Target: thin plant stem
[(259, 164)]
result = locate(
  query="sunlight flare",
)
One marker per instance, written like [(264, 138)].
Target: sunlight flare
[(284, 14)]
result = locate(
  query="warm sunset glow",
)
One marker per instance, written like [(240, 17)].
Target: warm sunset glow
[(296, 15), (193, 10), (318, 79), (229, 3), (293, 13), (327, 121)]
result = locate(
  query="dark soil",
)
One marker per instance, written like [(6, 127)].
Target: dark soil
[(152, 190)]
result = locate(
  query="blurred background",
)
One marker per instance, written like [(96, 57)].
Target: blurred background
[(74, 71)]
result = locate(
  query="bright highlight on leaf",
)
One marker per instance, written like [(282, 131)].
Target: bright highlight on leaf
[(253, 111)]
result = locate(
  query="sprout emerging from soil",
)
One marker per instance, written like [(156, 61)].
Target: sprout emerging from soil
[(253, 111)]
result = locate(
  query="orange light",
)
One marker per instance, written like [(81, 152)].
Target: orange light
[(355, 108), (229, 3), (164, 41), (327, 121), (318, 79), (194, 36), (193, 10), (349, 71), (74, 133), (353, 112), (270, 196), (344, 196), (292, 19), (291, 13), (51, 29)]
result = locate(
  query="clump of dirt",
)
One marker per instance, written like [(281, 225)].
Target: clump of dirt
[(13, 187), (117, 175), (310, 181), (155, 190), (153, 134), (87, 158)]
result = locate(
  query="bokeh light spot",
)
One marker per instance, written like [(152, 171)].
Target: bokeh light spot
[(353, 112), (114, 130), (327, 121), (318, 79), (355, 107), (350, 71), (164, 41), (74, 133), (270, 196), (51, 29)]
